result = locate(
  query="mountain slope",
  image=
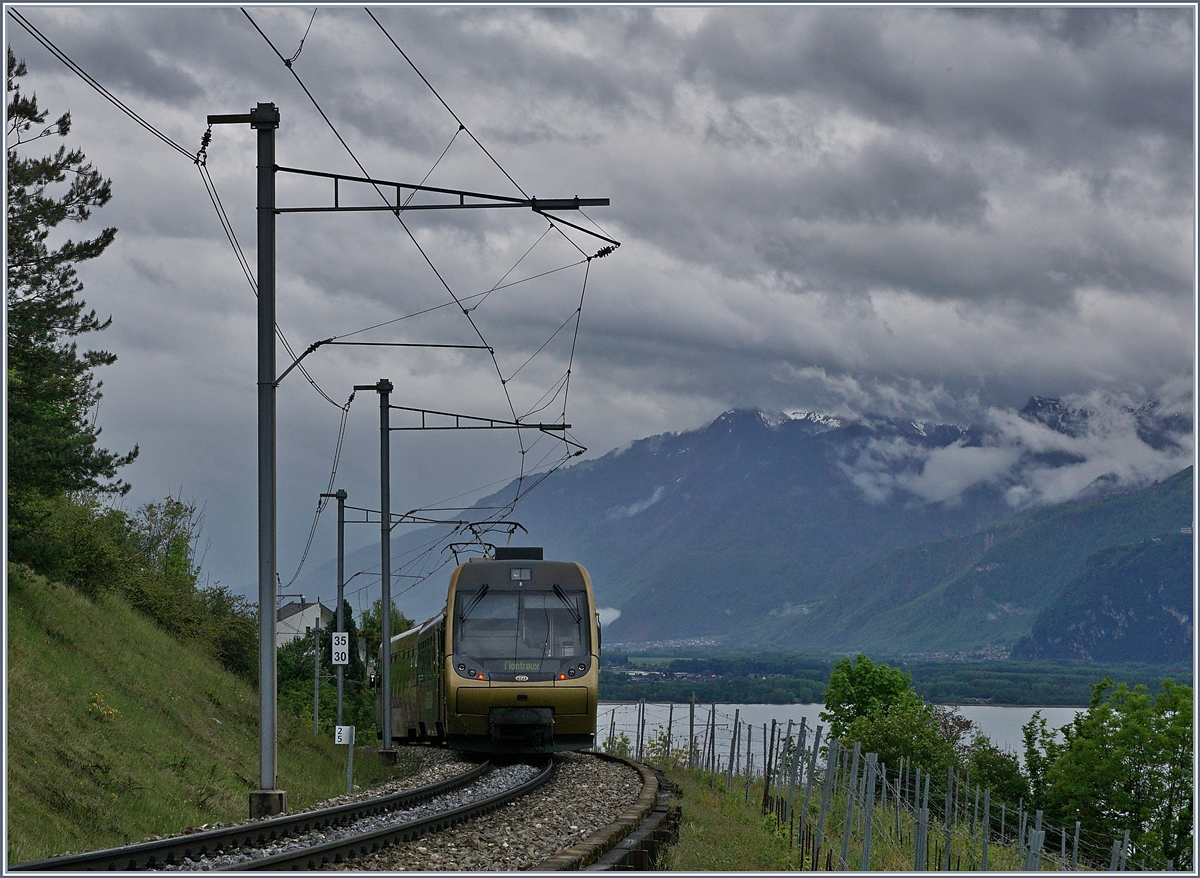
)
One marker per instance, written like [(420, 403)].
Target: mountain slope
[(742, 529), (702, 533), (698, 533), (1129, 602), (916, 600)]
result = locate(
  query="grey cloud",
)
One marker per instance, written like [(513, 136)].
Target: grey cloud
[(883, 184), (836, 52), (904, 68), (128, 61), (814, 213)]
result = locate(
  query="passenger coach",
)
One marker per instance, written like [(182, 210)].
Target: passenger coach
[(510, 666)]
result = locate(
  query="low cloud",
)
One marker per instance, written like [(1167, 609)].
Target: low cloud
[(1103, 441), (608, 615), (619, 512)]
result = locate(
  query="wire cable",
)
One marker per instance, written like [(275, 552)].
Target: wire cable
[(407, 230), (300, 48), (469, 298), (90, 80), (443, 103), (322, 502), (521, 489), (198, 158)]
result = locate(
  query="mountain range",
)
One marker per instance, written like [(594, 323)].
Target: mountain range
[(807, 531)]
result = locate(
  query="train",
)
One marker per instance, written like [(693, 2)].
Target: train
[(511, 665)]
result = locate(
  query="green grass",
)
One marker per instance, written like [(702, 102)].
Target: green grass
[(721, 832), (117, 731)]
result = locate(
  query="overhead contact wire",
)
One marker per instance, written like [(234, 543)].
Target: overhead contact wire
[(444, 104), (95, 84), (322, 502), (462, 125), (198, 158), (403, 225), (518, 493)]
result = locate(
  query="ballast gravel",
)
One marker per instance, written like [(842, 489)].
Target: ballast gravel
[(504, 777), (586, 794), (432, 765)]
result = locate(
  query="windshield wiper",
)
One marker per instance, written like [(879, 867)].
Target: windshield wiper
[(562, 596), (474, 602)]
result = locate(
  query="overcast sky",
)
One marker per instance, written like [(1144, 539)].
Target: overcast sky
[(925, 212)]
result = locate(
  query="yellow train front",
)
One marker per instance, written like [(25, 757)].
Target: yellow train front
[(512, 665)]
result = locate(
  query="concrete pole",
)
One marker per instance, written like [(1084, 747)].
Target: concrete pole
[(317, 672), (808, 781), (387, 753), (869, 814), (269, 799), (826, 799), (341, 575)]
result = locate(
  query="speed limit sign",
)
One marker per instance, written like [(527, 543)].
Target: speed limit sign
[(341, 648), (343, 735)]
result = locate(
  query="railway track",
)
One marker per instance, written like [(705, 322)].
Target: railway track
[(332, 837), (166, 852)]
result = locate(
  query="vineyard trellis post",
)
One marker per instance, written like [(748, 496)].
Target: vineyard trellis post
[(987, 825), (948, 814), (733, 736), (692, 731), (826, 799), (808, 780), (865, 865), (851, 783)]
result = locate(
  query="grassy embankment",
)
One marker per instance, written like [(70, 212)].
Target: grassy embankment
[(722, 831), (117, 731)]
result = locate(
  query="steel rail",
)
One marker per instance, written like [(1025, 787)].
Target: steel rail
[(316, 856), (161, 851)]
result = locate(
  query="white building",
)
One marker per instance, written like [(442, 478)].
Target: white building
[(298, 618)]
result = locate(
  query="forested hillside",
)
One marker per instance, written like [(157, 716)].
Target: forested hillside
[(1129, 601), (986, 590)]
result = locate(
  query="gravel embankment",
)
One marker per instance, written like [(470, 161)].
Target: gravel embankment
[(586, 794), (502, 778)]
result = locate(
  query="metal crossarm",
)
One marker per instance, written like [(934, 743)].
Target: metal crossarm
[(481, 199), (484, 423)]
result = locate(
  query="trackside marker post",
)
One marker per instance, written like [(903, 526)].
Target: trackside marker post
[(345, 735), (341, 648)]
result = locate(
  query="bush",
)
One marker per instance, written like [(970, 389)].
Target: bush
[(149, 557)]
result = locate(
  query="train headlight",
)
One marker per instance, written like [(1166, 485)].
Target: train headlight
[(461, 666), (471, 672), (582, 666), (562, 676), (480, 677), (571, 672)]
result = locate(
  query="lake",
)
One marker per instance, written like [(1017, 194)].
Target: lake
[(1002, 725)]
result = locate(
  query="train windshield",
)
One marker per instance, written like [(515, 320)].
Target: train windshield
[(531, 625)]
